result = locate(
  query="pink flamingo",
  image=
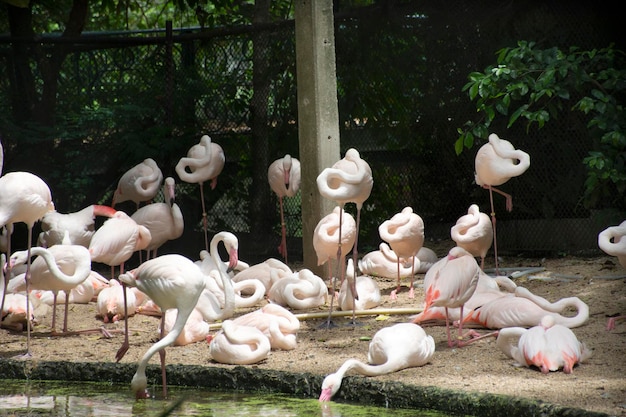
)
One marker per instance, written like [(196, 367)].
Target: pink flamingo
[(204, 162), (268, 272), (548, 346), (393, 348), (24, 198), (404, 232), (450, 283), (139, 184), (366, 287), (196, 328), (276, 322), (497, 162), (113, 244), (334, 235), (301, 290), (284, 178), (172, 281), (237, 344), (163, 220), (474, 233), (384, 263), (612, 241), (80, 225), (13, 314), (110, 302), (349, 180)]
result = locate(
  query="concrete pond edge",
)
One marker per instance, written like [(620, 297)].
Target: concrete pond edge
[(354, 389)]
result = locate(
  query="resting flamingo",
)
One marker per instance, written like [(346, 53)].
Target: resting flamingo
[(164, 220), (139, 184), (393, 348), (113, 244), (237, 344), (80, 225), (302, 290), (196, 329), (383, 262), (548, 346), (367, 288), (13, 314), (612, 241), (497, 162), (172, 281), (24, 198), (110, 302), (204, 162), (284, 178), (450, 283), (327, 245), (276, 322), (349, 180), (267, 272), (474, 233), (404, 232)]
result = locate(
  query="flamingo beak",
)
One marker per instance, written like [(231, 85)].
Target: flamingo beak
[(233, 260)]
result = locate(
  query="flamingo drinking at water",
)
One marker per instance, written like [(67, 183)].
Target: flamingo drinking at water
[(284, 178), (393, 348), (204, 162), (497, 162), (405, 234)]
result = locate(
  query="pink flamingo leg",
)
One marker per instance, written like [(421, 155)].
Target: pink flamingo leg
[(204, 216), (282, 249)]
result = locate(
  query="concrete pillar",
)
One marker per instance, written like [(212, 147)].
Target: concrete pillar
[(318, 115)]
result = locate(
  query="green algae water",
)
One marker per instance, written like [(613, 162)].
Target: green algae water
[(82, 399)]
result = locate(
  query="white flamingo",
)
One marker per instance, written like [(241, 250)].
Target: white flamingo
[(283, 176), (237, 344), (367, 288), (302, 290), (139, 184), (474, 233)]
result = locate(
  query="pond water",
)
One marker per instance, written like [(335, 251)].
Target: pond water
[(81, 399)]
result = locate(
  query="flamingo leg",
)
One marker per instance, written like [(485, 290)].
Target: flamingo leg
[(54, 312), (27, 278), (125, 345), (355, 254), (282, 249), (394, 293), (411, 289), (493, 224), (450, 343), (204, 218), (162, 358), (8, 270)]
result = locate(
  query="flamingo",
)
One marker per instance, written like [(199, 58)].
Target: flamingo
[(334, 235), (383, 263), (405, 234), (393, 348), (426, 257), (25, 198), (349, 180), (548, 346), (367, 288), (172, 281), (110, 302), (284, 178), (139, 184), (302, 290), (58, 268), (612, 241), (474, 233), (196, 328), (13, 314), (497, 162), (163, 220), (268, 272), (237, 344), (113, 244), (80, 225), (450, 283), (276, 322), (204, 162)]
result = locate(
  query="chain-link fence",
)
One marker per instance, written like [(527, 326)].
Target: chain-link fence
[(125, 97)]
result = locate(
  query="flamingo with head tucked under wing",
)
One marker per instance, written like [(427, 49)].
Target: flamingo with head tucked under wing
[(139, 184), (404, 232), (474, 233), (283, 176), (497, 162), (204, 162), (393, 348)]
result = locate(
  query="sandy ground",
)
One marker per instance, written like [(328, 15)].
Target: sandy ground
[(598, 384)]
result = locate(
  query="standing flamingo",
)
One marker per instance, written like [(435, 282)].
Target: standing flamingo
[(25, 198), (393, 348), (474, 233), (204, 162), (449, 284), (113, 244), (612, 241), (172, 281), (80, 225), (139, 184), (497, 162), (332, 227), (366, 287), (163, 220), (405, 234), (548, 346), (349, 180), (284, 178)]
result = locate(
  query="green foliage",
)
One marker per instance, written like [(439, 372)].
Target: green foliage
[(536, 85)]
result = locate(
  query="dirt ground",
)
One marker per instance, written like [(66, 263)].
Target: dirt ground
[(598, 384)]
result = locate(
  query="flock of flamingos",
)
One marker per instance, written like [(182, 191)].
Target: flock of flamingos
[(189, 295)]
